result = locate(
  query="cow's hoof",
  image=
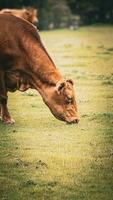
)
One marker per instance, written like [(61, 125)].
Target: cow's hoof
[(8, 121)]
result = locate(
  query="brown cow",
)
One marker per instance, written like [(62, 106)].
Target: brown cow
[(25, 63), (29, 14)]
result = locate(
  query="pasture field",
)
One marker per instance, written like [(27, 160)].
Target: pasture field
[(42, 158)]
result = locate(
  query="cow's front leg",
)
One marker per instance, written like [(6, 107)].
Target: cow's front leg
[(4, 113), (5, 116)]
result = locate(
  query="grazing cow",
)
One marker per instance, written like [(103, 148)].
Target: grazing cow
[(25, 63), (29, 14)]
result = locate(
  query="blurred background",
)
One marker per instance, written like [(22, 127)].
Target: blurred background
[(53, 14)]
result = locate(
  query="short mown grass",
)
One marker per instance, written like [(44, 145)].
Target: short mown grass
[(42, 158)]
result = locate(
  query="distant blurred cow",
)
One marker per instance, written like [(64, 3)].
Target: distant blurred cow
[(29, 14)]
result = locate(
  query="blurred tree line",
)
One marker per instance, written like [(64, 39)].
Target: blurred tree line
[(92, 11), (55, 14)]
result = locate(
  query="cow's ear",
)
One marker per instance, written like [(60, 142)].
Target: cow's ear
[(70, 81), (60, 86)]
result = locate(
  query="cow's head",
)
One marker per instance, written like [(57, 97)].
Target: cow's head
[(62, 103)]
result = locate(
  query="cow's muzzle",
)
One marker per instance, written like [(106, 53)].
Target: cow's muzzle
[(74, 121)]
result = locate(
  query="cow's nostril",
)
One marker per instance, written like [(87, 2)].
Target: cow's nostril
[(76, 121)]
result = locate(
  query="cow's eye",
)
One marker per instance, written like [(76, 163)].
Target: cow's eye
[(68, 100)]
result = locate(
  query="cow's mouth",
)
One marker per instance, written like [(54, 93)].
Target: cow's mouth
[(75, 121)]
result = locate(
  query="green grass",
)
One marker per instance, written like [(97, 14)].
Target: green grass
[(42, 158)]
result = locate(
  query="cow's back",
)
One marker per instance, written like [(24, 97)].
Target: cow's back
[(12, 34), (12, 25)]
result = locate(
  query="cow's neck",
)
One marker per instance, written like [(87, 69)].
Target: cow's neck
[(42, 70), (43, 67), (44, 88), (40, 62), (46, 70)]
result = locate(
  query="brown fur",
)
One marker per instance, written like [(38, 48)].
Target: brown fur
[(25, 63)]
